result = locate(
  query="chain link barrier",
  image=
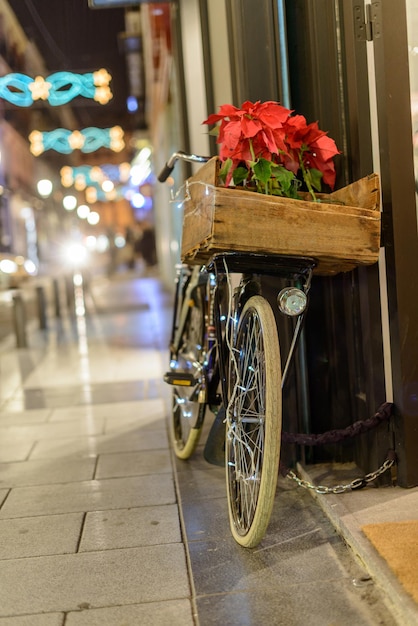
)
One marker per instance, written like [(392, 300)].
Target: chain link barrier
[(335, 436)]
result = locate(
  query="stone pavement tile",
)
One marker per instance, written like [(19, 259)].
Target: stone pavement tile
[(36, 536), (93, 579), (94, 495), (385, 504), (34, 416), (143, 413), (206, 519), (73, 395), (136, 439), (196, 485), (196, 462), (3, 494), (14, 363), (46, 471), (107, 364), (169, 613), (144, 419), (320, 604), (52, 431), (133, 463), (43, 619), (10, 450), (129, 528), (217, 565), (117, 425)]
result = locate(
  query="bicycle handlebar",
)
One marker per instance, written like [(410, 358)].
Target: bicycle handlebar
[(182, 156)]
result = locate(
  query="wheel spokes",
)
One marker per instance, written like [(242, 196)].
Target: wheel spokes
[(246, 433)]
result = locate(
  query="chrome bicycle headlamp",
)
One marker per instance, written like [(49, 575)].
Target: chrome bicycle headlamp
[(292, 301)]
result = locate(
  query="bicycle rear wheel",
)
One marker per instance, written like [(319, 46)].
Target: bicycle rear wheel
[(189, 402), (253, 423)]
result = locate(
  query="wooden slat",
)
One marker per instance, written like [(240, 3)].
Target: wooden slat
[(340, 237)]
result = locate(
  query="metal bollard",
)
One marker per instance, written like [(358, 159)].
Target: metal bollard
[(40, 291), (57, 304), (69, 288), (19, 321)]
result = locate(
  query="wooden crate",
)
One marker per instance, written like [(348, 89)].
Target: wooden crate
[(339, 236)]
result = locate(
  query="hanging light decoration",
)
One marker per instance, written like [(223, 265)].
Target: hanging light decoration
[(99, 183), (58, 88), (86, 140), (109, 181), (83, 176)]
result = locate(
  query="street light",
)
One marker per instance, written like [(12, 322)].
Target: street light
[(93, 218), (83, 211), (69, 202), (44, 187)]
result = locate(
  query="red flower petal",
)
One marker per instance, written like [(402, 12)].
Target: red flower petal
[(272, 114), (249, 127), (269, 130), (226, 110), (231, 134)]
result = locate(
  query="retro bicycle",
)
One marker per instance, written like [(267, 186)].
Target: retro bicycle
[(225, 356)]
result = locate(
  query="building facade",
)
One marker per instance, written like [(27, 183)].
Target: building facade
[(350, 65)]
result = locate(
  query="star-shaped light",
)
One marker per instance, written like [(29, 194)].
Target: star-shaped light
[(37, 144), (101, 78), (116, 138), (66, 176), (40, 88), (76, 140), (96, 174), (103, 95), (91, 195), (80, 182)]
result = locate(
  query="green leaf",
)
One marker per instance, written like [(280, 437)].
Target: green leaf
[(285, 180), (239, 175), (223, 172), (315, 178), (262, 170), (214, 132)]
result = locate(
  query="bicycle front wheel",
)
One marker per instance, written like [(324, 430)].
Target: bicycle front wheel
[(189, 402), (253, 423)]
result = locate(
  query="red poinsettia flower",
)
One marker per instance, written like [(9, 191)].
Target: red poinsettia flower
[(311, 145), (260, 133), (320, 156)]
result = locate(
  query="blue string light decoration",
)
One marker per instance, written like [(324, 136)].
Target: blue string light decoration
[(86, 175), (90, 179), (57, 89), (87, 140)]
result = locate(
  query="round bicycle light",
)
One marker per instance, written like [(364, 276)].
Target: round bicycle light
[(292, 301)]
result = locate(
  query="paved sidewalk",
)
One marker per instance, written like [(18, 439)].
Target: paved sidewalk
[(89, 520), (99, 525), (349, 512)]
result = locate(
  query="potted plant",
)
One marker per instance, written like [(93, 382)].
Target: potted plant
[(266, 149)]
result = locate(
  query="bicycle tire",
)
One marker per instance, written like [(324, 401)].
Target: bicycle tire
[(252, 449), (188, 408)]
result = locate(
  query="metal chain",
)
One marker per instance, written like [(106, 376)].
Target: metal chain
[(357, 483)]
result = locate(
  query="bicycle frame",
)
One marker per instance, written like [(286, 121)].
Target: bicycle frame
[(186, 276), (220, 320), (251, 267)]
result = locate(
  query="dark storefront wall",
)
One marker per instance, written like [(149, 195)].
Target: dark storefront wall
[(329, 81), (343, 380), (392, 66), (346, 354)]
